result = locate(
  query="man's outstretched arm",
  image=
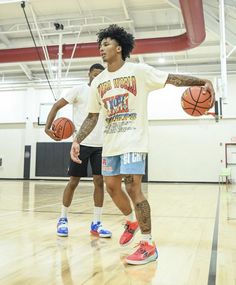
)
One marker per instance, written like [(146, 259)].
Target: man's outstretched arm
[(185, 80)]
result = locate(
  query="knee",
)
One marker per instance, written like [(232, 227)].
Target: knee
[(130, 186), (98, 182), (110, 189), (73, 183)]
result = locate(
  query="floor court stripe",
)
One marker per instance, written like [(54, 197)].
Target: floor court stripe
[(213, 261)]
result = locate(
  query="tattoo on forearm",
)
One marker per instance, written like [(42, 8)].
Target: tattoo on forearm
[(143, 213), (128, 179), (184, 80), (87, 126)]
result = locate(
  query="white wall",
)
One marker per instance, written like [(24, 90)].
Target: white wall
[(188, 150), (12, 150), (19, 111), (181, 148)]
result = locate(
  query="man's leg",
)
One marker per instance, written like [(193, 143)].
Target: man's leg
[(142, 208), (69, 191), (76, 171), (62, 226), (98, 194), (147, 250), (98, 197), (120, 198)]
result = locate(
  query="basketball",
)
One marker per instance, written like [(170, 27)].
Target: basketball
[(194, 102), (63, 128)]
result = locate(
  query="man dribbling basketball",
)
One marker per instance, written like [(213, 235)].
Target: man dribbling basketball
[(121, 92), (91, 150)]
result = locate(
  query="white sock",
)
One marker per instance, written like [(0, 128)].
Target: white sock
[(97, 213), (64, 211), (131, 217), (147, 238)]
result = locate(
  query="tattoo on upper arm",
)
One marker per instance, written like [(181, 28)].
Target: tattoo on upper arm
[(87, 126), (184, 80), (143, 213)]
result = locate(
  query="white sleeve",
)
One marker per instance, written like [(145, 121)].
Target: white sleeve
[(155, 79), (94, 104), (72, 95)]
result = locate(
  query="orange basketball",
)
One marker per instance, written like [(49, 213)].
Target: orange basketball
[(194, 102), (63, 128)]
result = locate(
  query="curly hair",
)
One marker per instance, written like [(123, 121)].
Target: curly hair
[(96, 66), (123, 38)]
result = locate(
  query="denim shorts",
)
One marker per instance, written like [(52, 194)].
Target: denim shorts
[(127, 163)]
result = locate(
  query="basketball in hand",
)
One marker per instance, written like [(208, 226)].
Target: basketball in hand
[(196, 103), (63, 128)]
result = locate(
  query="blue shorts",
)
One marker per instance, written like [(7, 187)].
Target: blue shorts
[(128, 163)]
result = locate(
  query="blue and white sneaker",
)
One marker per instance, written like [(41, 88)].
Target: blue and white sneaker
[(62, 227), (98, 230)]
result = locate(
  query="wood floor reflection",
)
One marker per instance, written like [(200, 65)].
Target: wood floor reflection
[(183, 219)]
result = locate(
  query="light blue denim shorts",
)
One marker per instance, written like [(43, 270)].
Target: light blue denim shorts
[(128, 163)]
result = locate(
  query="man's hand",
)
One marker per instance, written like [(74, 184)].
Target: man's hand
[(52, 134), (209, 87), (75, 151)]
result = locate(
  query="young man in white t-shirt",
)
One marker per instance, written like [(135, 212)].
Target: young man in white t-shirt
[(91, 150), (121, 92)]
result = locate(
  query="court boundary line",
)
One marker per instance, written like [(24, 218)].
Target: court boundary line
[(214, 248)]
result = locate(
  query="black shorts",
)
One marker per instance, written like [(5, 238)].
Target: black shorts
[(87, 154)]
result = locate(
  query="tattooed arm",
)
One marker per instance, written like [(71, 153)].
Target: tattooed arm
[(184, 80), (86, 128)]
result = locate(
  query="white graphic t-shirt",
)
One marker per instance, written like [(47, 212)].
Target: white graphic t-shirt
[(79, 97), (122, 95)]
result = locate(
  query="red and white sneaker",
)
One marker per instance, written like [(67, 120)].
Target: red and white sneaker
[(128, 235), (144, 254)]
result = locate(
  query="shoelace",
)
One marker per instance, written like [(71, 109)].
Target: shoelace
[(128, 229), (100, 227), (140, 249), (62, 222)]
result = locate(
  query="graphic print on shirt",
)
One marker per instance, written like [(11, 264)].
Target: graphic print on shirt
[(115, 96)]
